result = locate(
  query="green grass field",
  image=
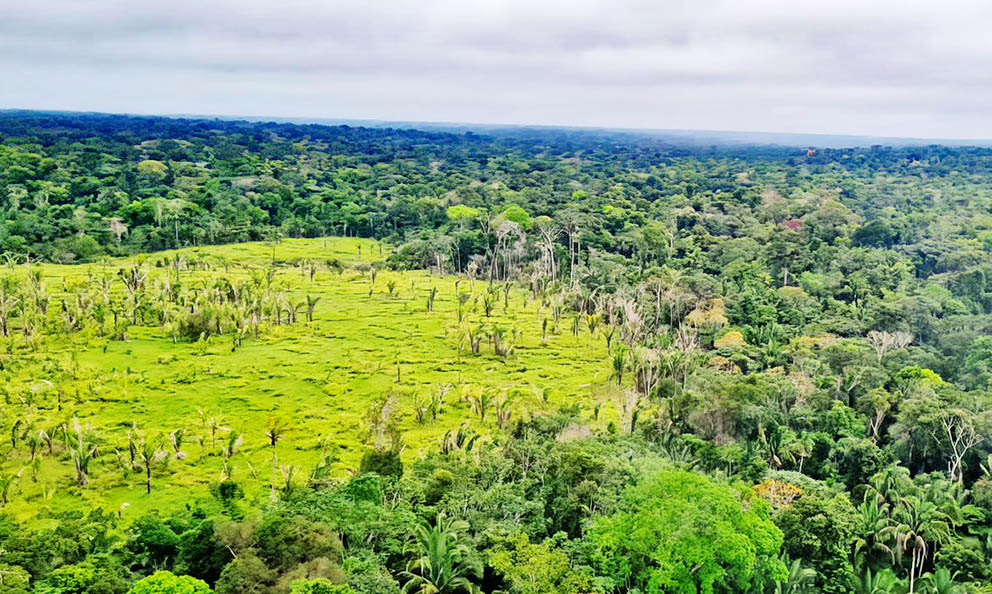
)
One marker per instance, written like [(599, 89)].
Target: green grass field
[(318, 378)]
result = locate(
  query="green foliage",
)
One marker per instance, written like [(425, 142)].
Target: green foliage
[(682, 532), (286, 541), (516, 214), (165, 582), (821, 531), (246, 574), (543, 568), (152, 542), (15, 580), (443, 562), (319, 586), (384, 462)]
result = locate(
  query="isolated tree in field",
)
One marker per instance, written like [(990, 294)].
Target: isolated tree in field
[(420, 406), (592, 322), (213, 424), (293, 309), (570, 224), (148, 454), (132, 445), (231, 447), (176, 440), (481, 400), (443, 561), (274, 432), (83, 452), (430, 299), (384, 436), (608, 333), (502, 339), (504, 408), (436, 404), (471, 336), (311, 304)]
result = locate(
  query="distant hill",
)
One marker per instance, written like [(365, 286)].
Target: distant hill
[(669, 136)]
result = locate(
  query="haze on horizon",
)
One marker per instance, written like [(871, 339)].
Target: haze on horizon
[(885, 68)]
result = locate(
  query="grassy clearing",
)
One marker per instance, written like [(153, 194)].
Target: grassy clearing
[(318, 378)]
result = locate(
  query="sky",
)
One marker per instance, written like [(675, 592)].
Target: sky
[(903, 68)]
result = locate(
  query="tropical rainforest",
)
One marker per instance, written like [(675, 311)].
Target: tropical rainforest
[(267, 358)]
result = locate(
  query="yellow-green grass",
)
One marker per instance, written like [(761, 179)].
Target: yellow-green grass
[(318, 379)]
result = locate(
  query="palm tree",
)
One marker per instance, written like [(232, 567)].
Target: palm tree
[(148, 454), (176, 439), (430, 299), (7, 481), (461, 440), (213, 424), (293, 309), (619, 365), (82, 454), (274, 433), (608, 332), (481, 402), (918, 525), (232, 447), (504, 408), (873, 521), (880, 582), (10, 259), (311, 304), (15, 432), (800, 579), (941, 582), (442, 562), (134, 281), (436, 405)]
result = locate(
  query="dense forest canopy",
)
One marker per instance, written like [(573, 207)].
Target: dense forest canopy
[(799, 342)]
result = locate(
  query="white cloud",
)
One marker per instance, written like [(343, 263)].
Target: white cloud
[(905, 68)]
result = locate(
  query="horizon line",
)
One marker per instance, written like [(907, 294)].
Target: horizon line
[(468, 126)]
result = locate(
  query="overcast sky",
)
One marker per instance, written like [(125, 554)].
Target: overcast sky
[(876, 67)]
